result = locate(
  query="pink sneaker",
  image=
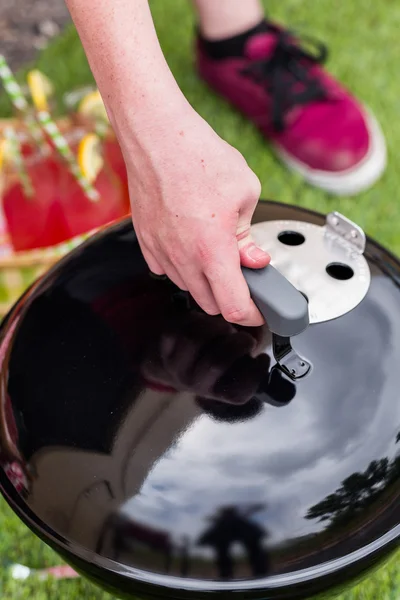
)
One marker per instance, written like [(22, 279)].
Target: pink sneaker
[(315, 125)]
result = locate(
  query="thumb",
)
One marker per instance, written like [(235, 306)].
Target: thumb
[(251, 255)]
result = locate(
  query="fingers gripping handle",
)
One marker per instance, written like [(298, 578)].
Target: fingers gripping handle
[(284, 308)]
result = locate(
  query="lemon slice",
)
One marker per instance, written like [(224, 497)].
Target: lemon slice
[(90, 159), (92, 105), (6, 152), (40, 88)]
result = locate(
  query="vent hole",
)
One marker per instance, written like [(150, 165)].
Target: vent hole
[(340, 271), (291, 238)]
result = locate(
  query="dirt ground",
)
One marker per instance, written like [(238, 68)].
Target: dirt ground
[(27, 26)]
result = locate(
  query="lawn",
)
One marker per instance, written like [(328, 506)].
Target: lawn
[(361, 35)]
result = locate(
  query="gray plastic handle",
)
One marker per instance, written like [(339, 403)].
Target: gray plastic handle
[(284, 308)]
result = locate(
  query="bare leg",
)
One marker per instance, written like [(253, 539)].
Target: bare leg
[(226, 18)]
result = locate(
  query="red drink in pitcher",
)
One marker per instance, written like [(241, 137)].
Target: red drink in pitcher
[(58, 208), (35, 221)]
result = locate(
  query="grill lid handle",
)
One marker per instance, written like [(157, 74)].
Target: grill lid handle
[(284, 308)]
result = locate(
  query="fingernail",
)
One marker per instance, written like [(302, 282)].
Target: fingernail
[(255, 253)]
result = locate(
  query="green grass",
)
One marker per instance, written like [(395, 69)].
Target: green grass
[(362, 36)]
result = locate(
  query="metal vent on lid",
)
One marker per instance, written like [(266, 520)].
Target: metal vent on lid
[(326, 263)]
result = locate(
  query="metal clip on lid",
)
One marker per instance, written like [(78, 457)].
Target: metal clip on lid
[(285, 311)]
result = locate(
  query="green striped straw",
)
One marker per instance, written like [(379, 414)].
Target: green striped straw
[(62, 146), (19, 101), (18, 159)]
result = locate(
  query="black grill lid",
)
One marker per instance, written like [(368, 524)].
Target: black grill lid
[(161, 450)]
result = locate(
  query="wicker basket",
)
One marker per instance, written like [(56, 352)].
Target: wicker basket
[(18, 270)]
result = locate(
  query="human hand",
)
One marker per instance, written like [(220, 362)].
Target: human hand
[(193, 197)]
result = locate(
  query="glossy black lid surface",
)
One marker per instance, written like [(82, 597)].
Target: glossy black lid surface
[(138, 430)]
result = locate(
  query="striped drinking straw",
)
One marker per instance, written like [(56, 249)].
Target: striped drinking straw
[(19, 102), (18, 160), (60, 142), (62, 146)]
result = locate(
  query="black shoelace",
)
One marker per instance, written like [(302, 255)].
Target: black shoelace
[(286, 75)]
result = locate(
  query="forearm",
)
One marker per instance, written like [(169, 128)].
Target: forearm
[(127, 62), (192, 195)]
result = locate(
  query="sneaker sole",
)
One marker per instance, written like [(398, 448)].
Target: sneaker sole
[(351, 181)]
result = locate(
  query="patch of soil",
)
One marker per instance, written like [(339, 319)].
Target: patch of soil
[(27, 26)]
